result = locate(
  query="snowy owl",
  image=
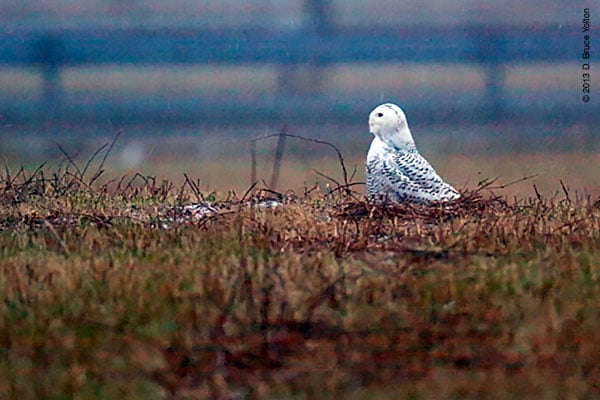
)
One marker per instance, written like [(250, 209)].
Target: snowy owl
[(396, 172)]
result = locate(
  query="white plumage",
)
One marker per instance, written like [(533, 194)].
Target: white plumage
[(396, 172)]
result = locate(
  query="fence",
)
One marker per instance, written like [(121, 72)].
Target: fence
[(320, 45)]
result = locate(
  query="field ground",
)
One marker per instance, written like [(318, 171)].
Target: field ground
[(111, 291), (220, 157)]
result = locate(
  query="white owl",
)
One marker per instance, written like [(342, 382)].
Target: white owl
[(396, 172)]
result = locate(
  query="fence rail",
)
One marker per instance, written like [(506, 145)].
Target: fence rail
[(478, 44), (492, 48)]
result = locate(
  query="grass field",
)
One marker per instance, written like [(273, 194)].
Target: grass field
[(220, 157), (111, 291)]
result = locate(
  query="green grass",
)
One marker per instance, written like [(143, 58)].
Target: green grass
[(104, 296)]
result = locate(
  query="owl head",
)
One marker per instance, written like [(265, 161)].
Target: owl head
[(388, 123)]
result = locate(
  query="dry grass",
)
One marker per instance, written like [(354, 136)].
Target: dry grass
[(103, 296)]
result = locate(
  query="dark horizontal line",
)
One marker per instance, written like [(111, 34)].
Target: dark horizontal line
[(315, 112), (477, 44)]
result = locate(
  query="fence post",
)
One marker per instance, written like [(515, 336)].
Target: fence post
[(319, 16), (49, 56), (490, 53), (309, 78)]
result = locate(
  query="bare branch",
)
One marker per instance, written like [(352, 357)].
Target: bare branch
[(327, 177), (89, 162), (100, 169), (503, 186), (70, 160), (338, 152)]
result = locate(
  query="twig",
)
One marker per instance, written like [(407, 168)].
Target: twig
[(37, 170), (278, 156), (503, 186), (8, 180), (99, 171), (194, 187), (565, 190), (539, 196), (137, 174), (353, 173), (89, 162), (70, 160), (343, 187), (29, 180), (273, 192), (252, 164), (327, 177), (119, 189), (77, 178), (339, 153), (252, 186)]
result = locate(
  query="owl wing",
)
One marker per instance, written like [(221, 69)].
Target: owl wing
[(408, 176)]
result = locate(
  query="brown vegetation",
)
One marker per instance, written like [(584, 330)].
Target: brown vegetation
[(106, 293)]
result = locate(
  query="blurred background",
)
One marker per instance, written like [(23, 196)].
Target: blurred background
[(490, 89)]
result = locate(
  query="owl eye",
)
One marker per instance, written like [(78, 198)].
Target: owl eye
[(380, 115)]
